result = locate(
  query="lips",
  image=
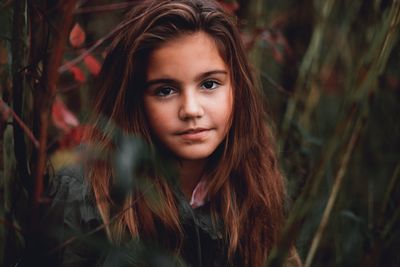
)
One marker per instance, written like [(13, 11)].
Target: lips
[(195, 134), (192, 131)]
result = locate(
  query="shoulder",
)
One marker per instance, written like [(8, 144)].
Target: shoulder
[(72, 174), (68, 184), (70, 194), (69, 219)]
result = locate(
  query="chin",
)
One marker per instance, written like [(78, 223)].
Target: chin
[(193, 154)]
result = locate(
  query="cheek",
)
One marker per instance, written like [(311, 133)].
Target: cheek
[(158, 117), (153, 115), (225, 107)]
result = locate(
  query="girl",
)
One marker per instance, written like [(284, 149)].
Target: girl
[(177, 77)]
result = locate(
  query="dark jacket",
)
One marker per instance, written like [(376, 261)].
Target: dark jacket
[(73, 233)]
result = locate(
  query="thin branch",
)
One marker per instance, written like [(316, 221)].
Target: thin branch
[(389, 227), (79, 58), (66, 8), (384, 49), (275, 84), (6, 111), (18, 51), (335, 190), (390, 189)]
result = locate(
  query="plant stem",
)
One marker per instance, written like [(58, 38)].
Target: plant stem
[(18, 50), (390, 189), (6, 111), (335, 190), (66, 8)]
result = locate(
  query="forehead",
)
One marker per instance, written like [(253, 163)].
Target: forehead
[(185, 56)]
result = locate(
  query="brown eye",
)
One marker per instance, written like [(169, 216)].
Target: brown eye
[(165, 91), (210, 85)]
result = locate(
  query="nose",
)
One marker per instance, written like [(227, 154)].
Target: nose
[(190, 107)]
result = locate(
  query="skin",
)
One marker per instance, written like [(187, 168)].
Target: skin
[(188, 101)]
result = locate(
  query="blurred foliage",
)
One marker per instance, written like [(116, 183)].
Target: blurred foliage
[(331, 77)]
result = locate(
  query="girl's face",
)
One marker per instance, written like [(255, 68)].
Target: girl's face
[(188, 98)]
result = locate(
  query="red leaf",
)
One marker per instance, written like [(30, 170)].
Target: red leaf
[(74, 137), (62, 117), (5, 110), (230, 7), (277, 54), (77, 36), (92, 64), (78, 74)]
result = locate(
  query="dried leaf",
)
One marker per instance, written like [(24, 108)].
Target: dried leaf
[(77, 36), (78, 74), (230, 7), (74, 137), (5, 110), (62, 117), (92, 64)]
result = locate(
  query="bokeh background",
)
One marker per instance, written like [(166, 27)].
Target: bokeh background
[(330, 71)]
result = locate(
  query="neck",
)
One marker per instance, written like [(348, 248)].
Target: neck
[(190, 172)]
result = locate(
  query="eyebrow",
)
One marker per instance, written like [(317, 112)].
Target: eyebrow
[(199, 77)]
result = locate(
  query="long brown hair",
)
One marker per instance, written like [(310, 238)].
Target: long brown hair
[(245, 185)]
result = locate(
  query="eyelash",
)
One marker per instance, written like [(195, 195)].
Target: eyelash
[(159, 93), (215, 84)]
